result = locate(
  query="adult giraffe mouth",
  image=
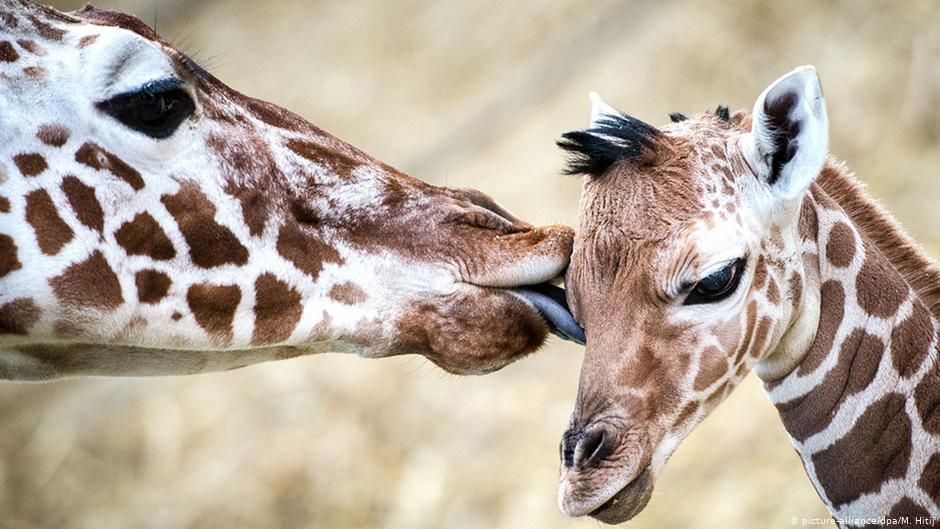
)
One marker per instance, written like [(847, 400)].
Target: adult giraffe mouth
[(550, 301)]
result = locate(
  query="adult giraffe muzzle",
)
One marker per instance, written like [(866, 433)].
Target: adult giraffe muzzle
[(155, 221)]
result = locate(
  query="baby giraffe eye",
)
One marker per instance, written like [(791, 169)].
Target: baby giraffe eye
[(157, 109), (718, 285)]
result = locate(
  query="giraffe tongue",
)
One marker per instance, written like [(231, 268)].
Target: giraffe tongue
[(550, 301)]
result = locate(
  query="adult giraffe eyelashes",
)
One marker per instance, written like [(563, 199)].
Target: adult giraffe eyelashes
[(157, 109)]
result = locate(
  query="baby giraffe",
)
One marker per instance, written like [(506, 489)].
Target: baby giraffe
[(155, 221), (721, 244)]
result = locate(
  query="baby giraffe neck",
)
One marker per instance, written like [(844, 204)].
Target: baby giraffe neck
[(862, 404)]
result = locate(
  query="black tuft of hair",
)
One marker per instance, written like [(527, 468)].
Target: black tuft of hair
[(723, 113), (676, 117), (613, 139)]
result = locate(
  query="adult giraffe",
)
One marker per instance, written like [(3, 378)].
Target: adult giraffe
[(721, 243), (155, 221)]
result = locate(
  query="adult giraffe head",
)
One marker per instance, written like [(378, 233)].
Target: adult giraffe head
[(155, 221), (687, 272)]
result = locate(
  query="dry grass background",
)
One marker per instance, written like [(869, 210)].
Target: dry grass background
[(467, 94)]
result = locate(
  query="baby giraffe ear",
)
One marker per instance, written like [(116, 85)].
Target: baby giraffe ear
[(600, 110), (790, 133)]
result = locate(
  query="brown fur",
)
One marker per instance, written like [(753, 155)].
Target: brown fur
[(152, 286), (307, 253), (278, 308), (214, 306), (91, 283), (348, 293), (54, 135), (8, 257), (210, 243), (52, 233), (142, 235), (30, 164), (84, 203), (4, 204), (96, 157), (7, 52), (17, 316)]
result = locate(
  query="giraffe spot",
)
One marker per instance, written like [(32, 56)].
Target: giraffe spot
[(760, 273), (97, 158), (86, 41), (46, 30), (8, 259), (875, 450), (644, 367), (854, 370), (687, 411), (713, 366), (214, 306), (9, 20), (927, 399), (4, 204), (84, 203), (277, 310), (773, 291), (176, 316), (795, 288), (907, 508), (210, 243), (879, 289), (930, 478), (832, 296), (52, 233), (31, 47), (7, 52), (308, 254), (747, 343), (254, 206), (760, 338), (30, 164), (143, 236), (53, 135), (808, 225), (152, 286), (36, 73), (17, 316), (91, 283), (910, 340), (840, 248), (339, 163), (347, 293), (278, 117)]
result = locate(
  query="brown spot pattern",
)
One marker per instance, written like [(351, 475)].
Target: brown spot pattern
[(347, 293), (875, 450), (87, 40), (339, 163), (214, 307), (31, 47), (17, 316), (53, 135), (143, 236), (97, 158), (30, 164), (907, 508), (254, 206), (91, 283), (855, 369), (277, 310), (83, 202), (840, 248), (910, 340), (152, 286), (930, 478), (306, 253), (8, 258), (879, 288), (713, 365), (927, 399), (52, 233), (4, 204), (46, 30), (210, 243), (832, 304), (7, 52)]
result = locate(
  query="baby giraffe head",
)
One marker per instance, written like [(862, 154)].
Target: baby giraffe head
[(686, 274)]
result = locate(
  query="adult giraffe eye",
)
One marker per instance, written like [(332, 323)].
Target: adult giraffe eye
[(156, 110), (717, 286)]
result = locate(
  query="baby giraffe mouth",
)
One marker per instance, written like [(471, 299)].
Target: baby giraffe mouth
[(550, 301), (627, 502)]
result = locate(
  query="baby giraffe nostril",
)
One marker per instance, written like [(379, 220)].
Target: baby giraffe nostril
[(593, 448)]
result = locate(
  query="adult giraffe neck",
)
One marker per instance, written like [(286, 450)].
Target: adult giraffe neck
[(859, 401)]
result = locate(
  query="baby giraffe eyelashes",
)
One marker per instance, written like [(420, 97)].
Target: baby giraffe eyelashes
[(717, 285)]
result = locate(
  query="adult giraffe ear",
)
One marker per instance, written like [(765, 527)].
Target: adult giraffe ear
[(789, 133)]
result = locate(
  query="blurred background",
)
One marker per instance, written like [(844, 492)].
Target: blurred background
[(467, 94)]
